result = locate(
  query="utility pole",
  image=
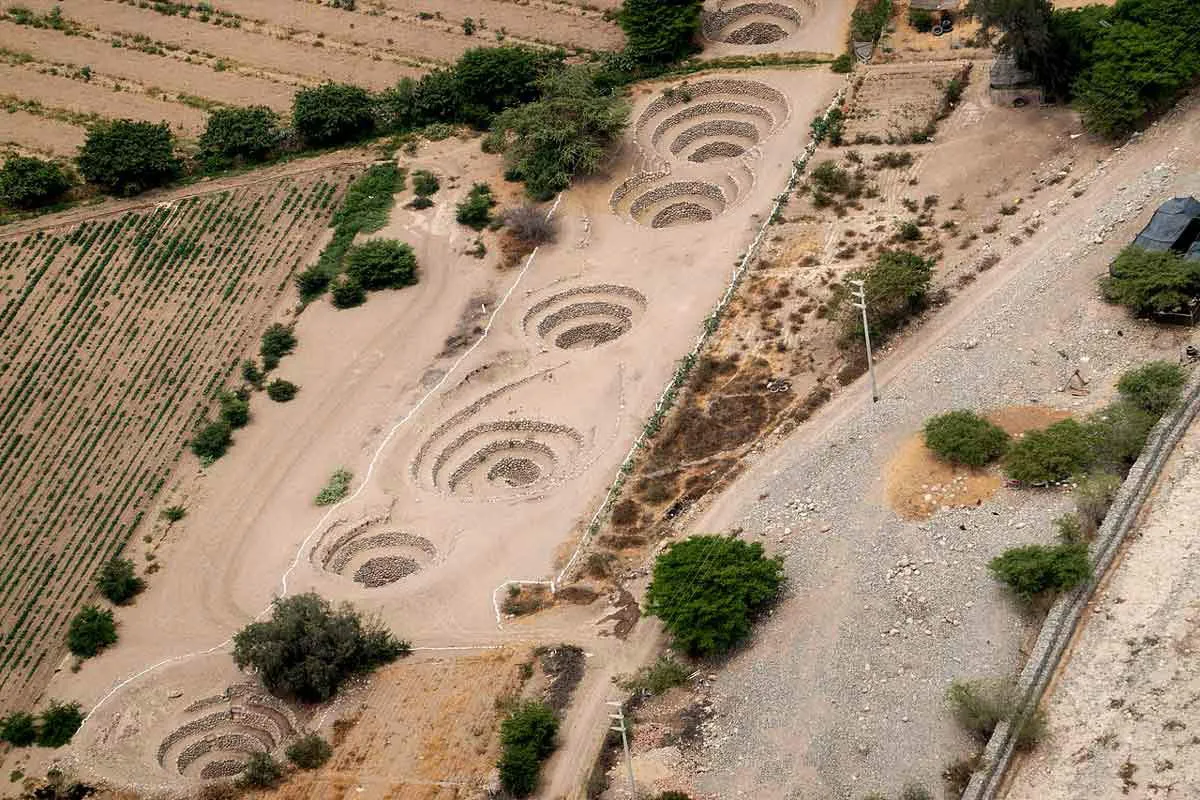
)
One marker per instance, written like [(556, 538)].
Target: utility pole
[(860, 297), (619, 718)]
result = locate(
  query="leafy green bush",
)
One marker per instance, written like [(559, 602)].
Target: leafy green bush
[(868, 21), (491, 79), (251, 374), (1050, 455), (58, 723), (124, 157), (843, 64), (660, 31), (18, 729), (708, 589), (262, 771), (118, 582), (420, 202), (174, 513), (527, 736), (211, 441), (336, 488), (308, 649), (27, 182), (239, 135), (1153, 387), (309, 752), (980, 707), (964, 437), (91, 630), (382, 264), (568, 132), (347, 293), (332, 113), (896, 288), (1118, 433), (281, 391), (235, 409), (277, 341), (1033, 569), (475, 210), (1146, 282), (425, 183), (663, 675)]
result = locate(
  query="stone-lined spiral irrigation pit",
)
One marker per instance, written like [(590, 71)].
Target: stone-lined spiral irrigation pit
[(701, 137), (753, 23), (585, 316), (500, 458), (224, 731), (372, 553)]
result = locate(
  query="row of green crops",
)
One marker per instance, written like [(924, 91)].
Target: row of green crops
[(115, 334)]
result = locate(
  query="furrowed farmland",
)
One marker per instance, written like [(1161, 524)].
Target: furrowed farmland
[(117, 332), (73, 63)]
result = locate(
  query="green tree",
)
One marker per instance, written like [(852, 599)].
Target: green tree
[(382, 264), (348, 293), (91, 630), (530, 724), (568, 132), (251, 374), (27, 182), (58, 723), (1024, 27), (18, 729), (124, 157), (1034, 569), (240, 134), (520, 770), (211, 441), (1050, 455), (660, 31), (896, 288), (964, 437), (309, 752), (332, 113), (307, 649), (262, 771), (118, 582), (491, 79), (475, 210), (708, 589), (281, 391), (235, 409), (1148, 282), (277, 341), (1153, 387)]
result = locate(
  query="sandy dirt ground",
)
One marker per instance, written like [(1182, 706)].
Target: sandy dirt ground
[(429, 435), (34, 134), (1122, 709), (881, 615)]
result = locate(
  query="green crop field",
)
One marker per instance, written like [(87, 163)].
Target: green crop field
[(115, 335)]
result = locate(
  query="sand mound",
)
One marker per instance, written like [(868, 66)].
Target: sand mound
[(586, 316), (753, 23), (224, 731), (373, 554)]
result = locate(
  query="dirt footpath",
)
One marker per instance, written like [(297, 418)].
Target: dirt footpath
[(1123, 709), (850, 672)]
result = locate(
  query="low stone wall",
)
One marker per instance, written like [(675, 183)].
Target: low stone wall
[(1059, 625)]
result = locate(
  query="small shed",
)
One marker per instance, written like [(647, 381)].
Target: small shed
[(1174, 226), (1010, 85)]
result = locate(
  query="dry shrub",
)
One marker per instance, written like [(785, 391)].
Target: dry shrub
[(658, 489), (626, 514), (513, 250), (523, 600), (622, 541), (598, 565), (578, 595), (530, 224)]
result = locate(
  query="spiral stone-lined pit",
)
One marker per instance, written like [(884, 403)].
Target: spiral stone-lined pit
[(660, 202), (373, 553), (586, 316), (733, 113), (752, 23), (217, 743)]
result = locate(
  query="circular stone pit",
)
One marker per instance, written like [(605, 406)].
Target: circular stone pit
[(690, 116), (585, 316), (372, 553), (752, 24)]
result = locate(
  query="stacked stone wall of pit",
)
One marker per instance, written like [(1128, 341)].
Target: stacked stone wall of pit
[(383, 570), (713, 151), (714, 24), (247, 742), (501, 426), (681, 213), (225, 768), (715, 108), (732, 87), (681, 189), (480, 456), (712, 128), (621, 315), (337, 558), (593, 333)]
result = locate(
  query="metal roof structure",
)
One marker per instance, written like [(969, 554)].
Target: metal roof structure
[(1174, 226), (1005, 74)]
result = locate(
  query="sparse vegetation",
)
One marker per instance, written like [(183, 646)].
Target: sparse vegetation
[(530, 225), (475, 210), (896, 288), (173, 514), (709, 609), (664, 674), (336, 488), (307, 649), (979, 707), (1035, 569), (91, 630), (964, 437), (118, 582)]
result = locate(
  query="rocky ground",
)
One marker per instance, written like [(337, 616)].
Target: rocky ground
[(842, 693)]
